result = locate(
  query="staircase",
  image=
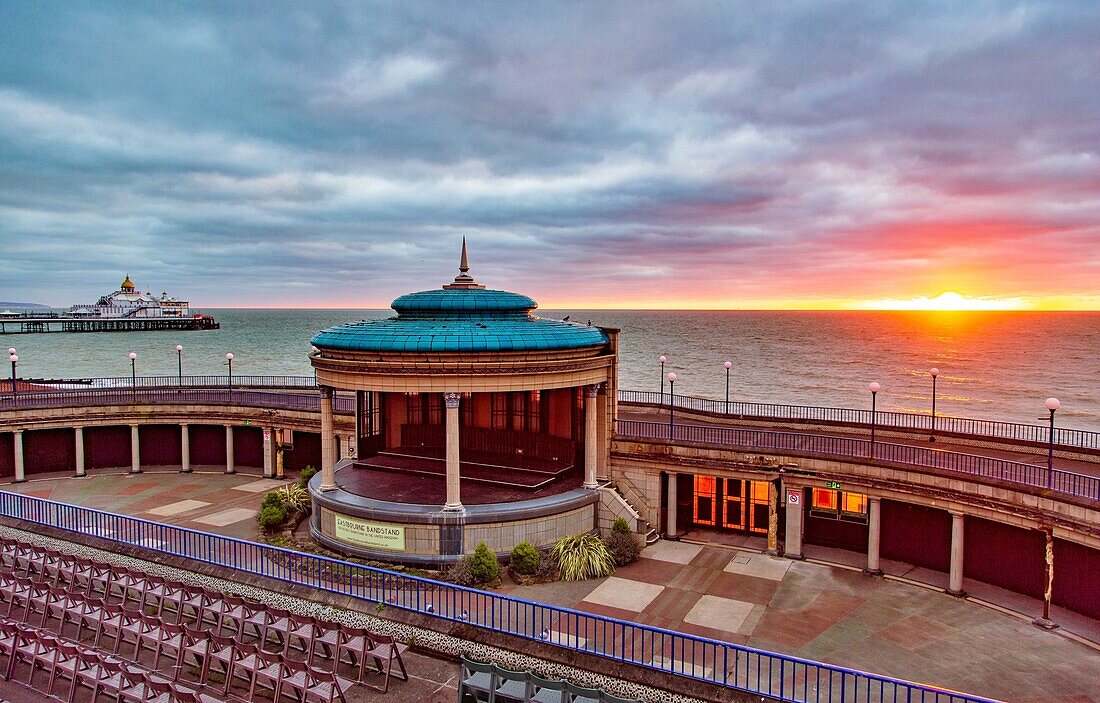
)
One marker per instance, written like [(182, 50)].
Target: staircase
[(651, 534)]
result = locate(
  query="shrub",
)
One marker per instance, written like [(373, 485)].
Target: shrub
[(624, 549), (548, 567), (271, 500), (484, 566), (293, 497), (304, 477), (621, 526), (460, 573), (272, 517), (525, 559), (583, 556)]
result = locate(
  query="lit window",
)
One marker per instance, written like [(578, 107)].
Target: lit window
[(706, 490), (824, 499), (855, 503)]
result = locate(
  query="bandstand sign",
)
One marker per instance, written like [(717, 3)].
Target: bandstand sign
[(370, 534)]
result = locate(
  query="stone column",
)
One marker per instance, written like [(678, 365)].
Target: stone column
[(591, 453), (230, 459), (78, 440), (135, 449), (793, 541), (20, 475), (279, 473), (269, 443), (874, 534), (185, 449), (454, 485), (955, 572), (671, 517), (773, 518), (328, 458)]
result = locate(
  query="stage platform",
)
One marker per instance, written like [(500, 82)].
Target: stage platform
[(418, 476)]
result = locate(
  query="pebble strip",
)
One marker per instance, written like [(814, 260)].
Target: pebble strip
[(436, 642)]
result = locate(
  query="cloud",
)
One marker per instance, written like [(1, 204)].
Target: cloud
[(723, 155)]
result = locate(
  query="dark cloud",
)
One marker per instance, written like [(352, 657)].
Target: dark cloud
[(603, 153)]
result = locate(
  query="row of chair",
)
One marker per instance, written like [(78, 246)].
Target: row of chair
[(59, 661), (177, 604), (127, 628), (488, 682)]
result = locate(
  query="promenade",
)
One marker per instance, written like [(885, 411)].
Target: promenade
[(826, 612)]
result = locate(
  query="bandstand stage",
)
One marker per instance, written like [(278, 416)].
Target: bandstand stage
[(476, 421)]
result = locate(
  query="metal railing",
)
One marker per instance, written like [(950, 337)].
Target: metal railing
[(213, 381), (779, 676), (1037, 476), (25, 400), (945, 424)]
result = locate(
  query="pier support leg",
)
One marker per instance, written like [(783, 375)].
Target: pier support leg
[(230, 459), (874, 534), (185, 449), (955, 572), (78, 441), (454, 459), (328, 450), (671, 518), (590, 449), (20, 475), (135, 449), (792, 545)]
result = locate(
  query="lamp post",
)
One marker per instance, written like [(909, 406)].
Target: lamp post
[(662, 358), (935, 372), (229, 360), (179, 362), (133, 370), (874, 388), (671, 400), (14, 360), (728, 365), (1052, 405)]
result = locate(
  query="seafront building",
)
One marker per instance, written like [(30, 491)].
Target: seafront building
[(467, 418)]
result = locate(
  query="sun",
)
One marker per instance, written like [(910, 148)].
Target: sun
[(947, 301)]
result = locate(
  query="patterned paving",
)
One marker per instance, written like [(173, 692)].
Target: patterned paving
[(810, 610)]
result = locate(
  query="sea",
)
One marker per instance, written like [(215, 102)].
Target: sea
[(993, 365)]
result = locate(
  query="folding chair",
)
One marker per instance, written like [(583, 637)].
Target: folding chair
[(384, 651), (510, 685), (547, 690), (581, 694), (606, 697), (475, 681)]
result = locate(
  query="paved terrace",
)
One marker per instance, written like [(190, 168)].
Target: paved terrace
[(813, 610)]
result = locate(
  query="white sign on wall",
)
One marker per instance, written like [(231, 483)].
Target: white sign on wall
[(794, 496)]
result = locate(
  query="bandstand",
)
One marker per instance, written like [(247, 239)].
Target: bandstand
[(476, 421)]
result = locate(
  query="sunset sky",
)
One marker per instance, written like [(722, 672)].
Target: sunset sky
[(596, 155)]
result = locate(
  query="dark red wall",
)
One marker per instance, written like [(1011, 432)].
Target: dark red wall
[(1077, 578), (248, 446), (306, 452), (106, 447), (49, 450), (916, 535), (829, 532), (160, 445), (1005, 556), (207, 444), (7, 454)]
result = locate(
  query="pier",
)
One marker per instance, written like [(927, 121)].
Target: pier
[(58, 322)]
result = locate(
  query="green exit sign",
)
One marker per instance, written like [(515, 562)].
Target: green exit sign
[(832, 484)]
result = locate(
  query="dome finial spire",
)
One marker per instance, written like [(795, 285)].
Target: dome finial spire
[(463, 279)]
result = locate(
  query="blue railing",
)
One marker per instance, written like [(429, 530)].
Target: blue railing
[(905, 455), (729, 665), (945, 424)]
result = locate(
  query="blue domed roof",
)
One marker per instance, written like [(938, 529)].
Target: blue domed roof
[(461, 317)]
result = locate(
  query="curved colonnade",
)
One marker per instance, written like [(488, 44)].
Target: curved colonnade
[(961, 526)]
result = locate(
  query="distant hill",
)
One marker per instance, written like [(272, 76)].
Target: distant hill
[(22, 305)]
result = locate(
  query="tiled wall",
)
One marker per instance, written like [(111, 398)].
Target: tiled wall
[(541, 532)]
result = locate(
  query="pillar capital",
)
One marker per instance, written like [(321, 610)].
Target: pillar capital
[(452, 399), (326, 391), (592, 391)]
